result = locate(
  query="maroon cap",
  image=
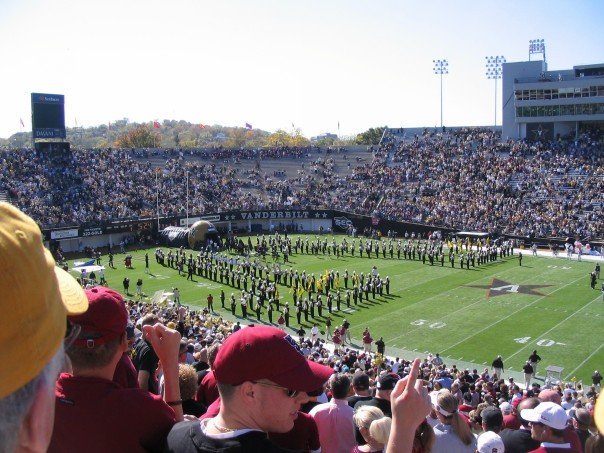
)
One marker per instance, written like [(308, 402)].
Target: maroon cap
[(105, 319), (269, 353)]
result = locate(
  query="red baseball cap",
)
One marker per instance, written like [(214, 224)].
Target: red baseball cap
[(105, 320), (269, 353)]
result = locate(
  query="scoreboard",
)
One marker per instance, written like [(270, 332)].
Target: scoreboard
[(48, 116)]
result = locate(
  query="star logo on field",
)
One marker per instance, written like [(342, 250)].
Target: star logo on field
[(501, 288)]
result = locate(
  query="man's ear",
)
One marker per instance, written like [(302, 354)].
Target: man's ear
[(36, 429), (246, 391), (124, 343)]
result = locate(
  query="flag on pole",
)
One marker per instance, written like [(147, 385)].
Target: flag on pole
[(156, 125), (248, 126), (202, 126), (21, 120)]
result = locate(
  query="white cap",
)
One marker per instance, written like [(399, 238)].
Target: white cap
[(506, 408), (490, 442), (548, 413)]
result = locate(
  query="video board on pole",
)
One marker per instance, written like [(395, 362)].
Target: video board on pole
[(48, 116)]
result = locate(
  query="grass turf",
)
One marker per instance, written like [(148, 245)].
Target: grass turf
[(441, 309)]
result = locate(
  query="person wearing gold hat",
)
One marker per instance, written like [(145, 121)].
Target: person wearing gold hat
[(37, 296)]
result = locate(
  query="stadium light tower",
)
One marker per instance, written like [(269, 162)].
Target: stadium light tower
[(537, 46), (441, 67), (494, 70)]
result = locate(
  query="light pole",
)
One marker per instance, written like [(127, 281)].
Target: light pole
[(537, 46), (187, 198), (441, 67), (157, 195), (494, 71)]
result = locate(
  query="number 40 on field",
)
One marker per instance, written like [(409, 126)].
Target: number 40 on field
[(543, 342)]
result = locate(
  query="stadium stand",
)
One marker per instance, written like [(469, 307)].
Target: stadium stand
[(465, 179)]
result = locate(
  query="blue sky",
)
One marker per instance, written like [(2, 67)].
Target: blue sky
[(272, 63)]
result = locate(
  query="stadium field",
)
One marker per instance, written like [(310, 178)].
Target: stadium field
[(469, 316)]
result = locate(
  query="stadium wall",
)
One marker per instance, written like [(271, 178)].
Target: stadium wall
[(76, 238)]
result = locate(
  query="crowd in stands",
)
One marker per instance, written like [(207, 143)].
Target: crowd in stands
[(234, 154), (466, 179)]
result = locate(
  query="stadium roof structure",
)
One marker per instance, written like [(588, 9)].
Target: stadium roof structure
[(542, 104)]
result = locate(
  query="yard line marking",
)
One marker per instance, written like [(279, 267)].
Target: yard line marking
[(510, 315), (545, 333), (584, 361)]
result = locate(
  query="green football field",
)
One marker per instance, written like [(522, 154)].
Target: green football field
[(468, 316)]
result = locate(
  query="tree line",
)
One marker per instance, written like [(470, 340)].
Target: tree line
[(182, 134)]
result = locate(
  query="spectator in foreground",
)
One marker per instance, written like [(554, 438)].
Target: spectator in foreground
[(374, 427), (581, 421), (125, 373), (489, 442), (520, 440), (570, 436), (146, 359), (548, 422), (187, 378), (385, 384), (360, 385), (106, 416), (36, 297), (452, 432), (492, 419), (258, 394), (334, 418)]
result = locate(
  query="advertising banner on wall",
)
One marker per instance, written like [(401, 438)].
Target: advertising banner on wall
[(265, 220), (281, 214), (64, 234)]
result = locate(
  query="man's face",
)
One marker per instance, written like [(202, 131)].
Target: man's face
[(277, 411), (538, 431)]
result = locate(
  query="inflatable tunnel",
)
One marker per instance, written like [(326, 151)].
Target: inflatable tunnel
[(193, 237)]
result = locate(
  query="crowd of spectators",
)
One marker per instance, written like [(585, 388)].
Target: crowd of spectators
[(221, 153), (465, 403), (466, 179)]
